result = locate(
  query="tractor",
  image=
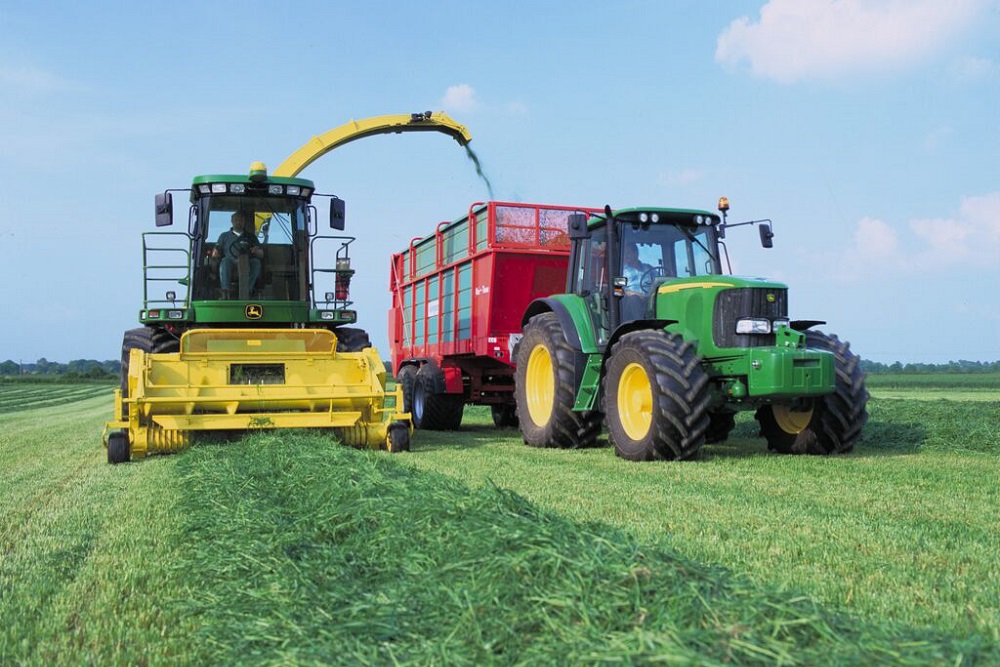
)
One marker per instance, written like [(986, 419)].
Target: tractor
[(654, 340)]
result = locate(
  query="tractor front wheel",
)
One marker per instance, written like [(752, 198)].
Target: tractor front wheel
[(656, 397), (829, 424), (545, 388)]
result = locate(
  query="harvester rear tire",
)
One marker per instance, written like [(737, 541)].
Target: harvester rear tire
[(434, 410), (836, 420), (399, 438), (118, 448), (545, 388), (504, 415), (351, 339), (656, 397)]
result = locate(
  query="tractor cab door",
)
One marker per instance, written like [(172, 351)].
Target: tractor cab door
[(591, 281)]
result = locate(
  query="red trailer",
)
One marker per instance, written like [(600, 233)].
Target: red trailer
[(457, 300)]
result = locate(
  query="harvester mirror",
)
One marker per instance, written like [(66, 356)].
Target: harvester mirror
[(577, 223), (766, 235), (164, 209), (337, 210)]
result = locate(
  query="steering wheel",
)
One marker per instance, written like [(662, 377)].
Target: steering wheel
[(237, 248), (650, 274)]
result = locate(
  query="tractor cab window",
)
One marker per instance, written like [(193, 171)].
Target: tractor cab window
[(263, 259), (594, 269)]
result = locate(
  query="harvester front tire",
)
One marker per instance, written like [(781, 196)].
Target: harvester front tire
[(118, 448), (398, 438), (150, 341), (434, 410), (351, 339), (407, 377), (545, 388), (834, 424), (656, 397)]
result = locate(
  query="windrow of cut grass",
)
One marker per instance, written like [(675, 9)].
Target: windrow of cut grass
[(23, 396)]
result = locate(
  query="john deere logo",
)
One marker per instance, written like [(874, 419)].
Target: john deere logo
[(254, 312), (770, 298)]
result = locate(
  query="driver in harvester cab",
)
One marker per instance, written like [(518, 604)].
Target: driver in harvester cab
[(233, 243)]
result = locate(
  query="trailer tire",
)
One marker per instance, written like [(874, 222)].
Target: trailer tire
[(351, 339), (826, 425), (406, 377), (434, 410), (118, 447), (504, 415), (398, 438), (656, 397), (545, 388)]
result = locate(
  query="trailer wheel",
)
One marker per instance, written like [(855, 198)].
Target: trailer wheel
[(351, 339), (406, 377), (720, 424), (656, 397), (545, 388), (398, 439), (504, 415), (434, 410), (118, 449), (826, 425)]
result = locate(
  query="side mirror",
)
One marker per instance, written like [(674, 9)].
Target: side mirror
[(577, 224), (766, 235), (337, 210), (164, 209)]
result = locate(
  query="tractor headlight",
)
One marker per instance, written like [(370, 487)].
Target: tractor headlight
[(326, 314), (175, 314), (780, 323), (753, 326)]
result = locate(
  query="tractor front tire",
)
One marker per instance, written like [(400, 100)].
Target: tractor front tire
[(826, 425), (545, 388), (656, 397)]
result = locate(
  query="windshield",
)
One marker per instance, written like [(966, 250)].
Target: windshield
[(670, 250), (252, 247)]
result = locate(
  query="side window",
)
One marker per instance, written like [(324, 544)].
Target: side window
[(594, 277)]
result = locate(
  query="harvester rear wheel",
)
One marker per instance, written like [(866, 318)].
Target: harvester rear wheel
[(656, 397), (434, 410), (829, 424), (545, 388), (351, 339), (399, 438), (118, 449)]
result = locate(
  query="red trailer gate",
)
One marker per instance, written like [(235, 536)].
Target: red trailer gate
[(457, 300)]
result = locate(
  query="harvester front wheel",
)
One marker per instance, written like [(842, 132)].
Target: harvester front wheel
[(398, 439), (433, 409), (351, 339), (656, 397), (826, 425), (407, 377), (118, 449), (545, 388), (151, 341)]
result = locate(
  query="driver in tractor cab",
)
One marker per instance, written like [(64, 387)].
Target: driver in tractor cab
[(233, 243), (635, 292)]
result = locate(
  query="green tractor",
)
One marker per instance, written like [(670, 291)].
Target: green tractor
[(653, 339)]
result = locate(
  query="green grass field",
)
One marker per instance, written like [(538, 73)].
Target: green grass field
[(475, 549)]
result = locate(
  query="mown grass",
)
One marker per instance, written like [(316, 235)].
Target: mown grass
[(22, 395), (283, 549)]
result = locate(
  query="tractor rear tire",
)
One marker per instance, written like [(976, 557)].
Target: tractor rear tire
[(830, 424), (545, 388), (406, 378), (433, 410), (351, 339), (656, 397), (399, 438), (118, 447), (504, 415), (720, 424)]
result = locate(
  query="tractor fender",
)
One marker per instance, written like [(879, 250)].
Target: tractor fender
[(637, 325), (571, 311)]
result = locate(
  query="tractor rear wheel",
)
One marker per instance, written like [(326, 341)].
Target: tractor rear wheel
[(434, 410), (504, 415), (656, 397), (545, 388), (826, 425)]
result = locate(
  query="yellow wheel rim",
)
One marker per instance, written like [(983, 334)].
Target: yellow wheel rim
[(635, 401), (541, 390), (791, 421)]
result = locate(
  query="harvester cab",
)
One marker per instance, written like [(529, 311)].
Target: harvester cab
[(653, 337)]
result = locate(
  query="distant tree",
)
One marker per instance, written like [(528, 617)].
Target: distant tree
[(9, 368)]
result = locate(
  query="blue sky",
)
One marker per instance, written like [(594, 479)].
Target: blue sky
[(867, 130)]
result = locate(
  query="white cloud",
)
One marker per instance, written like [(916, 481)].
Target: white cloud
[(460, 98), (970, 240), (802, 39)]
